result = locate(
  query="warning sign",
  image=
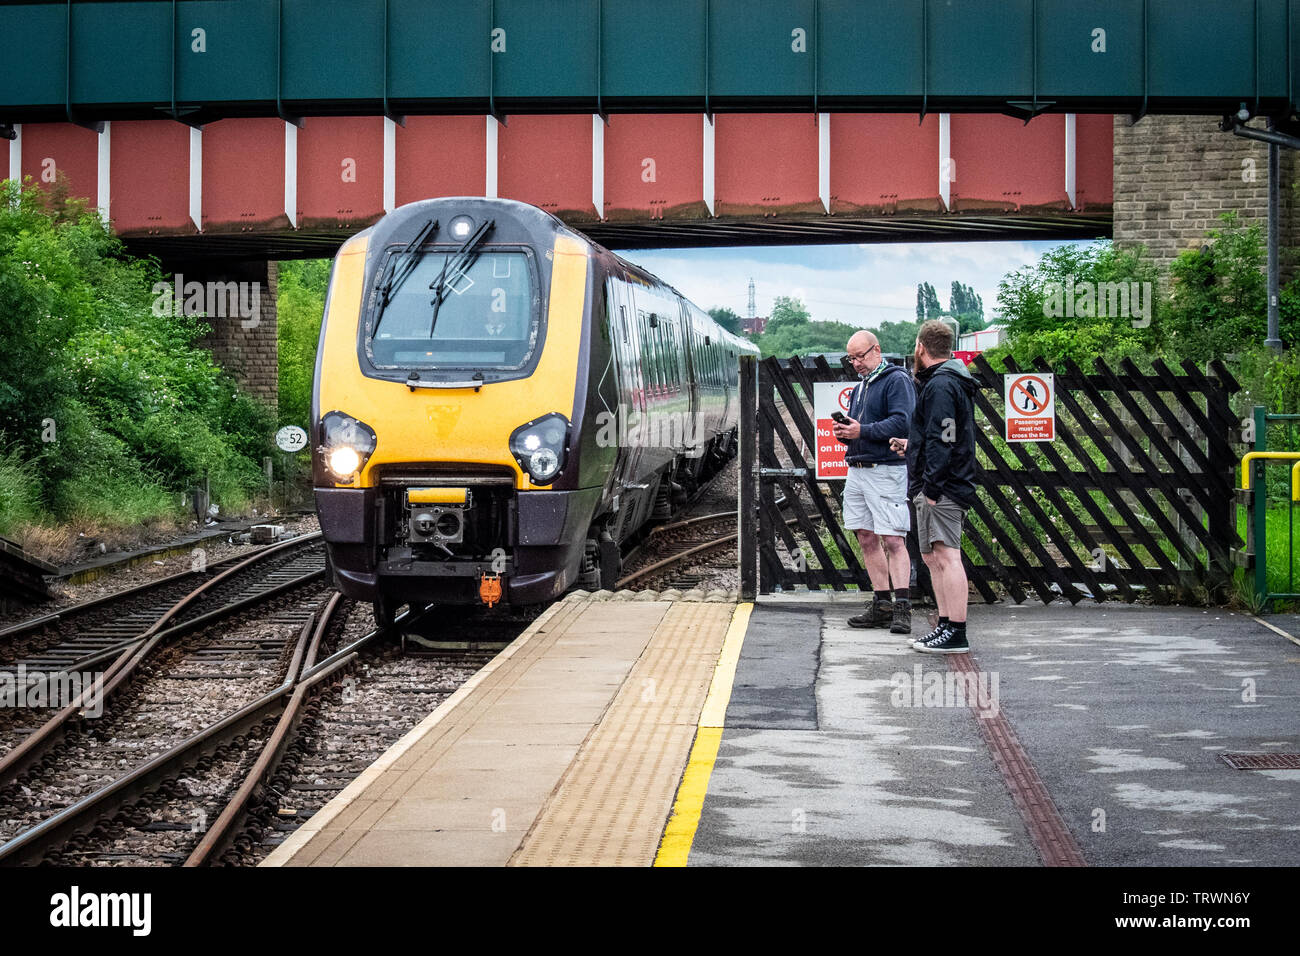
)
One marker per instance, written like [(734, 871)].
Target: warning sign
[(1031, 407), (830, 397)]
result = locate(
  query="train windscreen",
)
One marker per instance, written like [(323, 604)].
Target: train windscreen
[(480, 316)]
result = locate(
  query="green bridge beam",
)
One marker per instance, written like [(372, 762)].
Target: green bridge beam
[(200, 60)]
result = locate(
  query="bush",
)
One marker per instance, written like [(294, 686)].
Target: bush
[(109, 410), (1035, 303), (301, 304)]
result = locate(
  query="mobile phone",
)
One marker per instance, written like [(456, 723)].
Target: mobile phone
[(839, 417)]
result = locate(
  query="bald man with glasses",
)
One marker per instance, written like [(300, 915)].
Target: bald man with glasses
[(875, 490)]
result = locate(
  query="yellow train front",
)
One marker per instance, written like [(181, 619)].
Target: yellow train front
[(499, 404)]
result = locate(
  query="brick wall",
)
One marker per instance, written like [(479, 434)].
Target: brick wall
[(243, 341), (1174, 175)]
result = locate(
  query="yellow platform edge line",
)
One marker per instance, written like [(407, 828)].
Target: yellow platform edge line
[(679, 834)]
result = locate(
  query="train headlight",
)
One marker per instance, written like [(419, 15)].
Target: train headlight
[(346, 445), (540, 447)]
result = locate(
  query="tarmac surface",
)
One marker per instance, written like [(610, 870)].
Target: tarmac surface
[(844, 746)]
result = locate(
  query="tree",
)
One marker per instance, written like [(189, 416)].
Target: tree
[(898, 337), (1050, 308), (726, 318), (787, 311), (966, 307), (927, 302), (805, 338)]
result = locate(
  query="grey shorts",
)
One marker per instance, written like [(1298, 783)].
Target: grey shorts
[(940, 521)]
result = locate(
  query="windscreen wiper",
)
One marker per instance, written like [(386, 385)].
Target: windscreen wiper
[(409, 260), (456, 265)]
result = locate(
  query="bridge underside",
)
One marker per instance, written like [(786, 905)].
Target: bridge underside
[(258, 188), (680, 234)]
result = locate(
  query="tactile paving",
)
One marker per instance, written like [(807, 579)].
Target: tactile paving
[(611, 806)]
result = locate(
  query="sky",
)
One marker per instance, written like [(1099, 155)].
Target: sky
[(862, 284)]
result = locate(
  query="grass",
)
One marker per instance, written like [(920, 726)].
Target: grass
[(1282, 554)]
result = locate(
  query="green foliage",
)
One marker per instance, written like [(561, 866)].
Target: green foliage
[(108, 409), (1051, 309), (966, 307), (808, 338), (787, 312), (726, 318), (20, 492), (301, 305), (1218, 296), (898, 337), (927, 303)]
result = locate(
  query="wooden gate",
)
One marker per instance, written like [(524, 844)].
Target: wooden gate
[(1133, 498)]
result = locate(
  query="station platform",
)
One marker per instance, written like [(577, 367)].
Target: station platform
[(646, 730)]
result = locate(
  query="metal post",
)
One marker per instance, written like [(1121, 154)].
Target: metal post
[(748, 465), (1259, 482), (1274, 192)]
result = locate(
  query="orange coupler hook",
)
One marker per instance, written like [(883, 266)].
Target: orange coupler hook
[(489, 589)]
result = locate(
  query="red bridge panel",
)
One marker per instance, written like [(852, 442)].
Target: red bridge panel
[(766, 163), (884, 163), (1002, 164), (340, 171), (53, 151), (546, 161), (1094, 175), (150, 186), (441, 156), (243, 175), (654, 167)]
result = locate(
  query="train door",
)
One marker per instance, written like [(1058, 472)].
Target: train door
[(692, 340), (631, 384)]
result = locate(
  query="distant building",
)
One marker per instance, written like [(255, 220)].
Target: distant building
[(983, 339), (754, 326)]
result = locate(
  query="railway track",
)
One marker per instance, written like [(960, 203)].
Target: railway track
[(233, 790), (203, 662)]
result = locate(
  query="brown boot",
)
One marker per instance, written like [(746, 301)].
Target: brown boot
[(878, 614), (902, 621)]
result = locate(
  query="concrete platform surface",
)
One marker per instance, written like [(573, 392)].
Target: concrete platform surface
[(844, 746), (565, 749)]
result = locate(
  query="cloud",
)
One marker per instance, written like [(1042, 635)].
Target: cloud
[(862, 284)]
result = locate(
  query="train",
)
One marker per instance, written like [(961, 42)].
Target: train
[(500, 406)]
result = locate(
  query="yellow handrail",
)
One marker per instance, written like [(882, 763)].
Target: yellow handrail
[(1280, 455), (1295, 481)]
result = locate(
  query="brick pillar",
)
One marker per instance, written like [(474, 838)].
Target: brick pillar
[(243, 340), (1174, 176)]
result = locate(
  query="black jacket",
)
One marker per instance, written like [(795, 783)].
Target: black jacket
[(885, 411), (941, 446)]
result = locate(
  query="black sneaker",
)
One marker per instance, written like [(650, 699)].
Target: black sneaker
[(933, 635), (951, 642), (878, 614), (902, 621)]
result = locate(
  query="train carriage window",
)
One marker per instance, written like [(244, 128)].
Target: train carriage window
[(487, 319)]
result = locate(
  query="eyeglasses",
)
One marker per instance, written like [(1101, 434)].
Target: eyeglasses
[(859, 356)]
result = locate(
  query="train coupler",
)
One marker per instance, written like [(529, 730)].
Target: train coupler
[(489, 589)]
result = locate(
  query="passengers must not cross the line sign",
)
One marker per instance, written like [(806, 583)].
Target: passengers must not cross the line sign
[(1030, 407)]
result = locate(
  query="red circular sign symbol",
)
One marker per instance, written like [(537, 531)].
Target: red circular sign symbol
[(1028, 400), (845, 395)]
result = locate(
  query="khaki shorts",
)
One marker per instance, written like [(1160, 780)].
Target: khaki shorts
[(940, 521), (875, 499)]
